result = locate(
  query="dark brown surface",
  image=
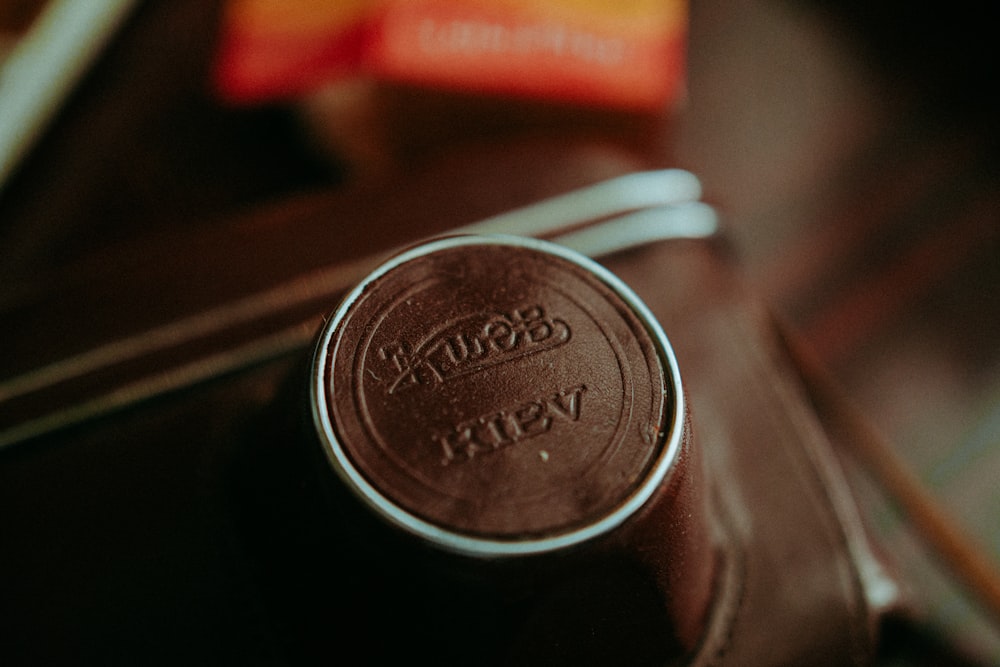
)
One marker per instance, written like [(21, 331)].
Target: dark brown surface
[(230, 522), (497, 391)]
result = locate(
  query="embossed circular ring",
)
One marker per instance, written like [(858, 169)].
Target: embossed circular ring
[(497, 396)]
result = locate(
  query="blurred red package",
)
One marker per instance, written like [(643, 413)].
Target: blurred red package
[(602, 53)]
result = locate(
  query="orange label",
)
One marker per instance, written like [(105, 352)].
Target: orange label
[(600, 52)]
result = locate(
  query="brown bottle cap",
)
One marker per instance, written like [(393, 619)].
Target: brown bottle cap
[(497, 396)]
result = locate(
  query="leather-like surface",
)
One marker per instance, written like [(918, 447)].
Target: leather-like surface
[(184, 529), (789, 537)]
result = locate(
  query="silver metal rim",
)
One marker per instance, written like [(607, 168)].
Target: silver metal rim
[(459, 542)]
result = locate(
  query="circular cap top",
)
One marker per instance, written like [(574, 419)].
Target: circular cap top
[(497, 395)]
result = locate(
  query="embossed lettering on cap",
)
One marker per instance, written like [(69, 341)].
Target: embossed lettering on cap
[(497, 395)]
